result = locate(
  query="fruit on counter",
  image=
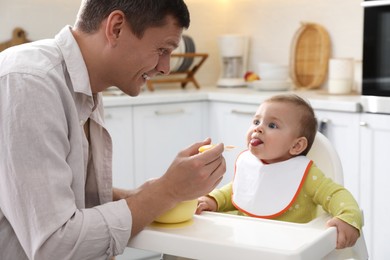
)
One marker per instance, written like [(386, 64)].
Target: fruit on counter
[(251, 76), (210, 146)]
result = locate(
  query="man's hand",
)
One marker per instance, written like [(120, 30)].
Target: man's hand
[(190, 176)]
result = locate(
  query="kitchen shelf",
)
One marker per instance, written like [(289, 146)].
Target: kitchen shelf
[(182, 77)]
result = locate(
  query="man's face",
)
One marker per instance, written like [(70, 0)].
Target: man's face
[(134, 60)]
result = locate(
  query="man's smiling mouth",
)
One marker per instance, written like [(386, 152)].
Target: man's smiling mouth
[(145, 76)]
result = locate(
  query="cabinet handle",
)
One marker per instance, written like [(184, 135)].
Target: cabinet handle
[(364, 124), (169, 112), (323, 126), (240, 112)]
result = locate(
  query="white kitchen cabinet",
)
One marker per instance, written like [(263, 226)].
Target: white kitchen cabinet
[(119, 123), (342, 129), (228, 123), (161, 131), (375, 180)]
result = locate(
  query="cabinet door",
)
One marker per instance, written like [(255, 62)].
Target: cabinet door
[(229, 123), (161, 131), (119, 124), (375, 181), (342, 129)]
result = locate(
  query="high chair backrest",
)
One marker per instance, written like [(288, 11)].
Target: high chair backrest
[(326, 158)]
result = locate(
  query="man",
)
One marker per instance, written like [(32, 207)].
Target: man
[(56, 196)]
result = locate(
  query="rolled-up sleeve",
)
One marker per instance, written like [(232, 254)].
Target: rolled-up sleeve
[(97, 233)]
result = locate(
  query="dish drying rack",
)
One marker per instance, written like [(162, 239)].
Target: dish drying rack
[(176, 76)]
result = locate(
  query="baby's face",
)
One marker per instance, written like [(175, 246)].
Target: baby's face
[(274, 131)]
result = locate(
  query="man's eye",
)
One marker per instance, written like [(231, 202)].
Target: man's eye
[(272, 125), (162, 51)]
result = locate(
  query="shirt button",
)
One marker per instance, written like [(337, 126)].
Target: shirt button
[(81, 122)]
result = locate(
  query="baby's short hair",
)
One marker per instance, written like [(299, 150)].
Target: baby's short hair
[(308, 120)]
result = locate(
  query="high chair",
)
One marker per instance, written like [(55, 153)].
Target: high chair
[(214, 235), (326, 158)]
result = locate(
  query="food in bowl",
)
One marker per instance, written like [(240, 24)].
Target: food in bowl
[(182, 212)]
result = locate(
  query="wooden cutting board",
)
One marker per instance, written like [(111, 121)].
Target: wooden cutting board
[(18, 37), (310, 53)]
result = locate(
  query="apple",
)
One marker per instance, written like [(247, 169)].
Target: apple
[(251, 76)]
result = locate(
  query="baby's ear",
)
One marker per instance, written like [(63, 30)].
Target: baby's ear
[(299, 146)]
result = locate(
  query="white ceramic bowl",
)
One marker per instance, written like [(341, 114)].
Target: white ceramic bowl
[(273, 71)]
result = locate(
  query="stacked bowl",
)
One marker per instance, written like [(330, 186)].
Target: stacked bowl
[(273, 77)]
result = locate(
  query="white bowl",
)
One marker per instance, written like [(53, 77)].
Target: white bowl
[(273, 71)]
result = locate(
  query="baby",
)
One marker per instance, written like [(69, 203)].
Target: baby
[(274, 179)]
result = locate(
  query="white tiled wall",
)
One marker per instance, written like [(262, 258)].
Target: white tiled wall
[(271, 25)]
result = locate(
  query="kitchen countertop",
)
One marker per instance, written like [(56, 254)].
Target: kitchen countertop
[(318, 99)]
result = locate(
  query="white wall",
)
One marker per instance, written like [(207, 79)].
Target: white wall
[(271, 25), (39, 18)]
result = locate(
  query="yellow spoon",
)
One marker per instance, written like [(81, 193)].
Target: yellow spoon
[(209, 146)]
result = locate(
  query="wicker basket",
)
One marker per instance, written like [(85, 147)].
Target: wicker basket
[(309, 56)]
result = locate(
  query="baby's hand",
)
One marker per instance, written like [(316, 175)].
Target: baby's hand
[(347, 235), (206, 203)]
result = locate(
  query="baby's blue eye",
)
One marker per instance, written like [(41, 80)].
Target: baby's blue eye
[(272, 125), (256, 122)]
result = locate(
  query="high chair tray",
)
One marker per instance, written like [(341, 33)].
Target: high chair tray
[(222, 236)]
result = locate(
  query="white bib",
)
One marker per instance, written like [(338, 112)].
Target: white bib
[(267, 190)]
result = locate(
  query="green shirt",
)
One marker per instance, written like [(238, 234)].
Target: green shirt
[(317, 190)]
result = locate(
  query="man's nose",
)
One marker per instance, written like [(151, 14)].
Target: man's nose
[(163, 65)]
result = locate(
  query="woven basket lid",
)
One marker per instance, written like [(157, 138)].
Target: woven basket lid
[(310, 54)]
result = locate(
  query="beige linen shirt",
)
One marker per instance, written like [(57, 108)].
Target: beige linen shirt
[(55, 203)]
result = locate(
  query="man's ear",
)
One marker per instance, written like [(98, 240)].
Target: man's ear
[(299, 146), (114, 25)]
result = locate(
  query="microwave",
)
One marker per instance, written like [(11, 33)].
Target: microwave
[(376, 48), (376, 56)]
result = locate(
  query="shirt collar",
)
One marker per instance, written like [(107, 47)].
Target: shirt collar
[(74, 61), (78, 74)]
